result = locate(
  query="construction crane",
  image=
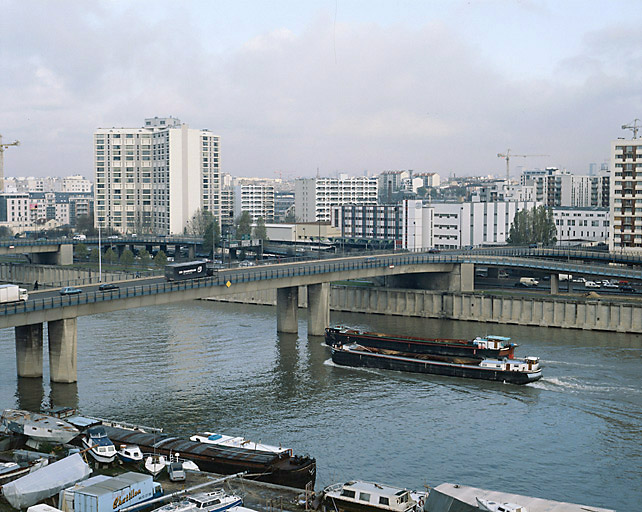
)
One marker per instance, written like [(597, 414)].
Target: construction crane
[(2, 148), (633, 127), (508, 156)]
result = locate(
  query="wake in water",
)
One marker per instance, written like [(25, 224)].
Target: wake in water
[(573, 385)]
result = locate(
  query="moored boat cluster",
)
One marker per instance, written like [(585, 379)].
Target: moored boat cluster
[(487, 357)]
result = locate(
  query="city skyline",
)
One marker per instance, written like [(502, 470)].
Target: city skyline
[(342, 86)]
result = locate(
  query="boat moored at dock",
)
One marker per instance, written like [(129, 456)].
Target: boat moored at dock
[(278, 468), (361, 496), (217, 501), (38, 427), (99, 445), (514, 371), (479, 347)]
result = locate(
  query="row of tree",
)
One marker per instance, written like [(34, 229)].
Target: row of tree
[(533, 226), (126, 258)]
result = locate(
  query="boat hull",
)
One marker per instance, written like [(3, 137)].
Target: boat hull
[(348, 357), (336, 504), (412, 345), (91, 447), (291, 471)]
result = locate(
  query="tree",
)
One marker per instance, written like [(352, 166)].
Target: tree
[(144, 256), (244, 225), (197, 225), (85, 224), (5, 232), (212, 236), (81, 251), (533, 226), (260, 230), (127, 257), (93, 255), (110, 256), (160, 260)]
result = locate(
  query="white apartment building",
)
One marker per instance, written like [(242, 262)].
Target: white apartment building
[(154, 178), (580, 225), (14, 211), (626, 195), (554, 187), (256, 199), (315, 197), (76, 184)]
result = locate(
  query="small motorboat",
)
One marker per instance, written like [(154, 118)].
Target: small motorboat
[(361, 496), (99, 445), (130, 454), (493, 506), (217, 501), (188, 465), (38, 427), (154, 464)]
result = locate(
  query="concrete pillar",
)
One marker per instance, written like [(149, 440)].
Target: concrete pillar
[(62, 350), (555, 284), (466, 278), (287, 308), (65, 255), (190, 251), (493, 272), (318, 308), (29, 350)]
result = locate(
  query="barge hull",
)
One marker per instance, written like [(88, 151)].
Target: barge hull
[(442, 347), (403, 364)]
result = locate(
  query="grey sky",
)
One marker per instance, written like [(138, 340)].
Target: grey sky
[(345, 86)]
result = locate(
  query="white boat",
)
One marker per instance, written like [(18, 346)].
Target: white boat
[(11, 470), (154, 464), (360, 496), (39, 427), (493, 506), (238, 442), (130, 453), (100, 446), (188, 465), (217, 501)]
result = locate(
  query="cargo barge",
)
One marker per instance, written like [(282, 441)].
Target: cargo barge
[(514, 371), (277, 468), (479, 348)]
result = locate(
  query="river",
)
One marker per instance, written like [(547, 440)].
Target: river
[(573, 436)]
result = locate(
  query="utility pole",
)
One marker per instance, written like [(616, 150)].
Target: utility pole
[(2, 148)]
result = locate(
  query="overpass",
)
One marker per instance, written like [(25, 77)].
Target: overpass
[(445, 271)]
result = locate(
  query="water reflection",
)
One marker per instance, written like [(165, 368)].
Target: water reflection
[(30, 394)]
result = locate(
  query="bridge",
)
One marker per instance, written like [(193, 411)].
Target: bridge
[(445, 271)]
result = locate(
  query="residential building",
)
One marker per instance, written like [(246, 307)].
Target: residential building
[(153, 179), (283, 204), (14, 211), (555, 187), (626, 195), (76, 183), (315, 197), (375, 222), (390, 183), (256, 199), (581, 225)]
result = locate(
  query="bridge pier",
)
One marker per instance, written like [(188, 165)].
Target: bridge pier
[(555, 284), (460, 279), (29, 350), (318, 308), (63, 341), (287, 308), (64, 256)]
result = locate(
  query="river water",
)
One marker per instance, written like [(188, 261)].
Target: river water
[(573, 436)]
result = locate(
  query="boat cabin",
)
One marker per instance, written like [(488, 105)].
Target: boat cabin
[(492, 342), (529, 364), (358, 495), (214, 500)]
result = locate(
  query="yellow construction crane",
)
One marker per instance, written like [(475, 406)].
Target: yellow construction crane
[(508, 156), (2, 148), (633, 127)]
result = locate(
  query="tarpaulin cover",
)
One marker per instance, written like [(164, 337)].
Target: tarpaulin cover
[(46, 482)]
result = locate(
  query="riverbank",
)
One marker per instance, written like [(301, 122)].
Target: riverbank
[(599, 313)]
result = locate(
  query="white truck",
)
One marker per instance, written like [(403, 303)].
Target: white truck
[(123, 491), (12, 293), (528, 281)]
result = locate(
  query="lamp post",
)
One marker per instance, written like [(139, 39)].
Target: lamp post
[(100, 260)]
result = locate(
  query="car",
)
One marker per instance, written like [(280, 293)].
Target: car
[(579, 280), (112, 237), (433, 251), (591, 284), (80, 237), (610, 284), (627, 289), (70, 290), (107, 286)]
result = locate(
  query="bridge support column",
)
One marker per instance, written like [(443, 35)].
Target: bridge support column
[(62, 350), (29, 350), (318, 308), (287, 308), (190, 251), (555, 284)]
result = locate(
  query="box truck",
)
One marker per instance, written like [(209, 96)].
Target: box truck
[(123, 491), (12, 293), (186, 270)]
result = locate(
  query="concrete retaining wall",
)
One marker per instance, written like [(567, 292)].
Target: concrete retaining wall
[(569, 313)]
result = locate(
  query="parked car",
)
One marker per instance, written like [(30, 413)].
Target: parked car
[(108, 286), (70, 290), (591, 284)]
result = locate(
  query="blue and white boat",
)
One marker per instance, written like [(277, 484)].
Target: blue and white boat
[(217, 501), (130, 454), (99, 445)]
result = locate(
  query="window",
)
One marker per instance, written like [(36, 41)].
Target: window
[(383, 500), (364, 496), (347, 493)]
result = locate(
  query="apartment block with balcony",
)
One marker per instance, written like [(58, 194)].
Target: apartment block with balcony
[(626, 195), (153, 179), (257, 200)]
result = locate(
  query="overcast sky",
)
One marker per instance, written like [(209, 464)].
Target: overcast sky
[(339, 85)]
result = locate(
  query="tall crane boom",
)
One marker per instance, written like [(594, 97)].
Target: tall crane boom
[(508, 156), (633, 127), (2, 148)]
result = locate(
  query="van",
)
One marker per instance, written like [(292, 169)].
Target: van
[(80, 237), (528, 281), (565, 277)]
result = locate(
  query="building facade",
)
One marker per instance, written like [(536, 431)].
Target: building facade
[(257, 200), (581, 225), (153, 179), (626, 195), (315, 197)]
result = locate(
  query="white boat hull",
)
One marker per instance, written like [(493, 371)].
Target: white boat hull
[(154, 464), (98, 457)]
